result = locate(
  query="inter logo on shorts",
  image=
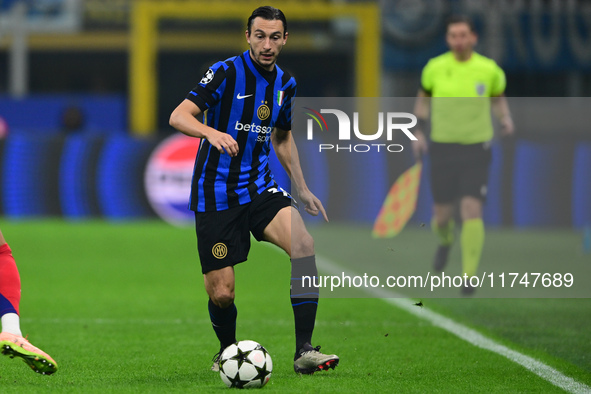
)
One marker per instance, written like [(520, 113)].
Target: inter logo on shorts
[(219, 250), (263, 112)]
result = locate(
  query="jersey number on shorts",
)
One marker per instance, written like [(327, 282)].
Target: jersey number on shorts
[(278, 190)]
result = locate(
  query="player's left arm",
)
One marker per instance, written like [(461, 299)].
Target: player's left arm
[(287, 153), (500, 108)]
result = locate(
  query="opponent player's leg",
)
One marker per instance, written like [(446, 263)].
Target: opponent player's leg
[(10, 290), (288, 231), (12, 342)]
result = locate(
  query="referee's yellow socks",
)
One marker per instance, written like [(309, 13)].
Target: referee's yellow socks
[(445, 233), (472, 241)]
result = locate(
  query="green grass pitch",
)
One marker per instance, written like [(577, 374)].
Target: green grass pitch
[(121, 307)]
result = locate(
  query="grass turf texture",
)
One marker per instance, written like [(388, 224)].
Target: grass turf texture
[(121, 307)]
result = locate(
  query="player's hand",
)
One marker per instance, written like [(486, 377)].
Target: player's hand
[(224, 143), (507, 126), (420, 146), (312, 204)]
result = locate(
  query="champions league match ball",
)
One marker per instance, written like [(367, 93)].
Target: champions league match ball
[(245, 364)]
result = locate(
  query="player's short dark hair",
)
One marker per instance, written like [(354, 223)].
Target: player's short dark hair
[(268, 13), (452, 20)]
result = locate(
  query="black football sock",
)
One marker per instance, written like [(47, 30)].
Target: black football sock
[(304, 298), (223, 321)]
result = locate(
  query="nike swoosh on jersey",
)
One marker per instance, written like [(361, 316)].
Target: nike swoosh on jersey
[(239, 97)]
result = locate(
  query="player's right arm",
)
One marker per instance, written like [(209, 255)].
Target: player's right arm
[(205, 95), (183, 118)]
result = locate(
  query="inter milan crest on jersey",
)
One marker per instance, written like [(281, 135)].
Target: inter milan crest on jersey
[(480, 88), (207, 77), (263, 111)]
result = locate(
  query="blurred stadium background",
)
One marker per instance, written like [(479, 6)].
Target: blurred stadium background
[(86, 88)]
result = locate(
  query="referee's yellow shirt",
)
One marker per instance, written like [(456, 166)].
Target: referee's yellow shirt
[(461, 91)]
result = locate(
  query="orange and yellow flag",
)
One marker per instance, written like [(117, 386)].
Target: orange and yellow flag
[(400, 204)]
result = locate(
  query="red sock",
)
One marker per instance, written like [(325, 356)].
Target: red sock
[(10, 282)]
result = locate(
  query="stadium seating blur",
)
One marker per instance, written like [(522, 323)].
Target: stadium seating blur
[(542, 178)]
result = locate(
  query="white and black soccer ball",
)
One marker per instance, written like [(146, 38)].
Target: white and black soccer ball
[(245, 364)]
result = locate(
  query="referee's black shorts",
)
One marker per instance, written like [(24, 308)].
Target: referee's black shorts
[(459, 170), (223, 237)]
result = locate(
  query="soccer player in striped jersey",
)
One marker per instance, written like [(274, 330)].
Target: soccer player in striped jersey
[(247, 103), (461, 135), (12, 342)]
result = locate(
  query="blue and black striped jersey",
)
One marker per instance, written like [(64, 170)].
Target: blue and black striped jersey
[(247, 102)]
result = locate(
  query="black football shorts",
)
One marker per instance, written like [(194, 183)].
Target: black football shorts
[(459, 170), (223, 237)]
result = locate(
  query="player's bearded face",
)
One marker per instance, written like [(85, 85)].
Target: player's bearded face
[(266, 40), (460, 39)]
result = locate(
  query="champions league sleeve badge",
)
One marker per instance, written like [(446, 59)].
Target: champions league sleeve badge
[(207, 77)]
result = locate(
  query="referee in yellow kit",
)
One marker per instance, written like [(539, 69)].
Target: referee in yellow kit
[(462, 85)]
